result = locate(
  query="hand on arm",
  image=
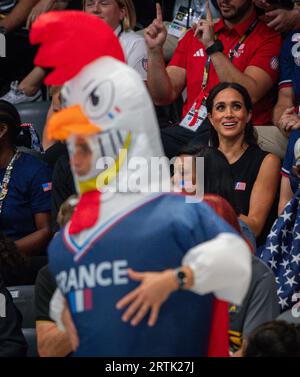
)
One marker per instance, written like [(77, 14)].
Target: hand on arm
[(164, 85), (282, 20), (263, 194), (289, 120), (153, 291), (286, 99), (34, 242)]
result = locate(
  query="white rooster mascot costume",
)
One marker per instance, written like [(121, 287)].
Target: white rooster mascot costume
[(122, 219)]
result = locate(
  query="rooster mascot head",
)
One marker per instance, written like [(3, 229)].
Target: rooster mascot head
[(107, 117)]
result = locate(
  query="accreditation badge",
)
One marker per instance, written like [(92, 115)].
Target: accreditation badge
[(195, 116)]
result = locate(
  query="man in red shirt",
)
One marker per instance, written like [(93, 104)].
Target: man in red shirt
[(239, 48)]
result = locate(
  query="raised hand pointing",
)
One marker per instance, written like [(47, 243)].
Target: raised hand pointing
[(156, 33)]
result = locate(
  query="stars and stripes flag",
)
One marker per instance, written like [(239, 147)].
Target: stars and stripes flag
[(282, 252)]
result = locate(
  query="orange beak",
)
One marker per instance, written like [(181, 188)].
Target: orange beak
[(70, 121)]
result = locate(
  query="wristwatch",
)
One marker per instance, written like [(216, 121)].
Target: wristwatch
[(180, 277), (216, 47)]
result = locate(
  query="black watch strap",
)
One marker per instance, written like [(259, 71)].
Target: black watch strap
[(216, 47)]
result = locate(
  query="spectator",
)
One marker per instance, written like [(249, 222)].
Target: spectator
[(286, 111), (255, 172), (18, 52), (217, 174), (259, 306), (29, 88), (51, 341), (280, 15), (120, 15), (12, 341), (274, 339), (289, 181), (217, 178), (25, 189), (252, 62), (281, 250)]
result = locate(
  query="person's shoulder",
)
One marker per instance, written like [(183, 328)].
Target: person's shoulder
[(32, 161), (265, 32), (260, 270), (132, 37)]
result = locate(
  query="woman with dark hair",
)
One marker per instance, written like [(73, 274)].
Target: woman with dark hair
[(25, 186), (255, 172)]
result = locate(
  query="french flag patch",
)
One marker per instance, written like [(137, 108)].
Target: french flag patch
[(81, 300), (240, 186), (47, 186)]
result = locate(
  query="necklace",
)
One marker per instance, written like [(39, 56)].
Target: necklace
[(6, 179)]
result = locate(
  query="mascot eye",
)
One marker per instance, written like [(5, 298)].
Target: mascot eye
[(94, 98), (99, 100)]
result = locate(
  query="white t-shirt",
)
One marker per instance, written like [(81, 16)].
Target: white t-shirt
[(135, 50)]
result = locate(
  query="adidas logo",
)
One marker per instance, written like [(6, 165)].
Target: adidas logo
[(199, 53)]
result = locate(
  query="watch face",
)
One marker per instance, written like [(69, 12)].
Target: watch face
[(181, 275)]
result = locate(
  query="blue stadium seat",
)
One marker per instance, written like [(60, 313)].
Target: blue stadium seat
[(23, 298)]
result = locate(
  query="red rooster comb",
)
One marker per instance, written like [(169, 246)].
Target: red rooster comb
[(69, 40)]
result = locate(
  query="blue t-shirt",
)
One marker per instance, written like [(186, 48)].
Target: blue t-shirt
[(29, 192), (289, 160), (153, 237), (290, 63)]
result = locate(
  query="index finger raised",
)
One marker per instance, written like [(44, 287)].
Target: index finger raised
[(208, 12), (159, 15)]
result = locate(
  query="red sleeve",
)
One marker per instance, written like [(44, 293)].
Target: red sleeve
[(267, 53), (180, 53), (219, 340)]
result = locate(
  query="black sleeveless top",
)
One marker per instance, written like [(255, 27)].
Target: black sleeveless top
[(244, 172)]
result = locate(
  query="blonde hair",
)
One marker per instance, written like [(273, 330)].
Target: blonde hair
[(129, 20)]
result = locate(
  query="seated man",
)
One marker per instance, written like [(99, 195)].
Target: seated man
[(238, 48)]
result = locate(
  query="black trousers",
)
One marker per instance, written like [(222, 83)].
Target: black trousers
[(175, 137)]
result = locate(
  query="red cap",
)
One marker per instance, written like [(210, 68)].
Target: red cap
[(70, 40)]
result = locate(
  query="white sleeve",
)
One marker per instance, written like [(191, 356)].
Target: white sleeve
[(221, 266), (56, 308), (137, 57)]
